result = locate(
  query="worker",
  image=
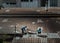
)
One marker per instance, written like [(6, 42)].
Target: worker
[(23, 29), (39, 30)]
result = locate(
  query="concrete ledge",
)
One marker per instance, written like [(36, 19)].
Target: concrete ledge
[(40, 10)]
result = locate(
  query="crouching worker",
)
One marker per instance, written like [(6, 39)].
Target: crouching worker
[(39, 30), (23, 29)]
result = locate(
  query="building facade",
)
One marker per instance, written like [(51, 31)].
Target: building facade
[(30, 3)]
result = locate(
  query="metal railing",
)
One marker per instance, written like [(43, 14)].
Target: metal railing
[(53, 35)]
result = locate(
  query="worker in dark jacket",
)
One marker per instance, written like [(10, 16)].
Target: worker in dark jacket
[(23, 29), (39, 30)]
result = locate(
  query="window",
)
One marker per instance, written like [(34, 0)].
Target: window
[(43, 3), (7, 3), (31, 0), (24, 0), (10, 3), (53, 3)]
